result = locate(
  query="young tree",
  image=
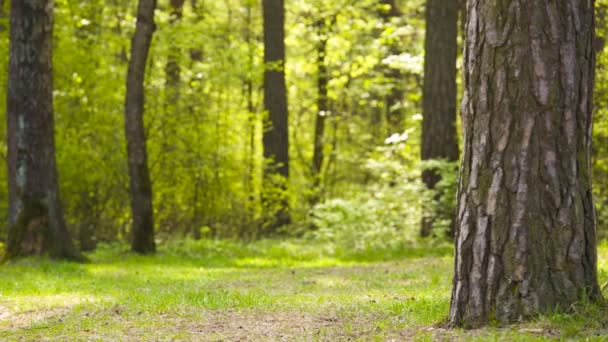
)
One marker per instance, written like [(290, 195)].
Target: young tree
[(172, 69), (323, 27), (394, 112), (36, 221), (252, 43), (2, 16), (439, 137), (526, 220), (140, 185), (275, 139)]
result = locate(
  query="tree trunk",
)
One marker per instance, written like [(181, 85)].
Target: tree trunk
[(526, 220), (141, 189), (252, 118), (322, 109), (172, 69), (171, 105), (439, 137), (275, 139), (394, 111), (36, 221), (2, 16)]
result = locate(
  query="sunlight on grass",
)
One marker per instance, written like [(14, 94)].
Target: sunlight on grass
[(196, 289)]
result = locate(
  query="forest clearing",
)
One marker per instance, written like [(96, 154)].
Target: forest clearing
[(267, 291), (384, 170)]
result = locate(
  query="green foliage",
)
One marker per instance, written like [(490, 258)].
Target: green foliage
[(384, 215), (204, 130), (440, 203), (600, 123)]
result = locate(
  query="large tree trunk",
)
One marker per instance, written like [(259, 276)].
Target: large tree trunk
[(141, 189), (36, 221), (439, 137), (275, 139), (526, 220), (322, 109)]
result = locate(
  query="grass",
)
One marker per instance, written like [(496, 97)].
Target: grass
[(263, 291)]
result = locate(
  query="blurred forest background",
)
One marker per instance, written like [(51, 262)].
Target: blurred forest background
[(358, 64)]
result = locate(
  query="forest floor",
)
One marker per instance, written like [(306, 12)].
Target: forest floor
[(221, 291)]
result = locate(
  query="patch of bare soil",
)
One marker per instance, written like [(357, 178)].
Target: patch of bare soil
[(33, 319), (260, 326)]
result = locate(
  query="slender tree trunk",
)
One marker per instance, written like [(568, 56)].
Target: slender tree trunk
[(171, 105), (252, 118), (394, 112), (323, 109), (141, 188), (172, 69), (2, 16), (439, 137), (275, 139), (462, 11), (526, 220), (36, 221)]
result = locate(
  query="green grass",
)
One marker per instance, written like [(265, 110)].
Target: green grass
[(263, 291)]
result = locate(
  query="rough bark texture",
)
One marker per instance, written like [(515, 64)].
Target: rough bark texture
[(322, 108), (439, 136), (275, 139), (36, 222), (526, 221), (141, 189)]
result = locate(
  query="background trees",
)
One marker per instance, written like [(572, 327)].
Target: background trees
[(360, 62)]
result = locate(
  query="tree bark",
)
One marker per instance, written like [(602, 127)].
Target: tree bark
[(526, 220), (140, 185), (322, 108), (36, 221), (276, 138), (439, 137)]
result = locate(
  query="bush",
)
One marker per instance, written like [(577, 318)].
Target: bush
[(385, 214)]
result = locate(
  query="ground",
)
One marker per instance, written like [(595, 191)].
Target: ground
[(221, 291)]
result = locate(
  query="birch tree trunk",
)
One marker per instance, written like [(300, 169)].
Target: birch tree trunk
[(36, 221), (526, 220), (140, 185)]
